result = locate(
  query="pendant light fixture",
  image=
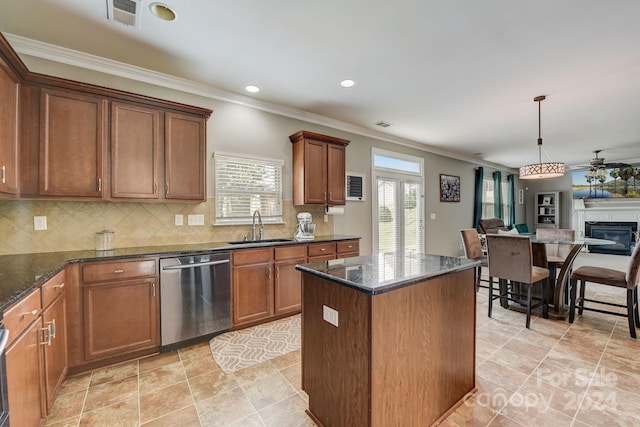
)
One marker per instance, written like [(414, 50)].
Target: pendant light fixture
[(541, 170)]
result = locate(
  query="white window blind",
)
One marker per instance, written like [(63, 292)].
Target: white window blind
[(245, 185)]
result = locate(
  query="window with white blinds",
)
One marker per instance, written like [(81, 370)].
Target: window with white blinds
[(245, 185)]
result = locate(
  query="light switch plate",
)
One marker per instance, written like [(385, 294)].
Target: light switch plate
[(179, 219), (433, 215), (39, 223), (195, 219), (330, 315)]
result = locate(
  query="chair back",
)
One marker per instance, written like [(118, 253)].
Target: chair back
[(633, 268), (471, 243), (510, 257), (561, 234), (491, 225)]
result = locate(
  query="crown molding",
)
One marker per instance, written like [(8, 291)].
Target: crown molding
[(50, 52)]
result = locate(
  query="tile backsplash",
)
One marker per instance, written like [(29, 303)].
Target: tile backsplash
[(72, 225)]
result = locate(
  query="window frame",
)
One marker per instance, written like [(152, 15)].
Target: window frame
[(278, 166)]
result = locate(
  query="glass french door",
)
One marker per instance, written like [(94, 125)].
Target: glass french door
[(400, 215)]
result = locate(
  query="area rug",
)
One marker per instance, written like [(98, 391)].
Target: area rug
[(241, 349)]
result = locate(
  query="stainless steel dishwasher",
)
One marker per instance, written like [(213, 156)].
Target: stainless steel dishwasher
[(195, 296)]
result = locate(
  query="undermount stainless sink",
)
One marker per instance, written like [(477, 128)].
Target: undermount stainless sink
[(239, 242)]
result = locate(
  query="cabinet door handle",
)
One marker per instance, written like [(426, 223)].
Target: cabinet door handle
[(330, 195), (153, 289), (277, 272), (99, 184), (325, 196), (167, 188), (47, 332), (52, 328), (155, 187), (60, 286), (4, 174), (118, 271), (31, 313), (349, 246), (269, 273), (322, 249)]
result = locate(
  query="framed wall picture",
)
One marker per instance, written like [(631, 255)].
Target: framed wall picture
[(449, 188)]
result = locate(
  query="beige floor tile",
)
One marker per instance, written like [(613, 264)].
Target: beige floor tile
[(66, 406), (287, 360), (114, 373), (473, 412), (195, 350), (210, 384), (121, 414), (559, 399), (164, 401), (161, 377), (75, 383), (532, 410), (268, 390), (591, 354), (598, 415), (508, 377), (199, 365), (252, 373), (158, 360), (185, 417), (502, 421), (224, 408), (69, 422), (253, 420), (109, 393), (621, 380), (575, 380), (293, 374), (516, 361), (622, 401), (289, 412)]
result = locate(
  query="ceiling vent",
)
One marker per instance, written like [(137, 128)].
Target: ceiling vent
[(126, 12), (383, 124)]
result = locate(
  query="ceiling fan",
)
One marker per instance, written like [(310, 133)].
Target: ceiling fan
[(599, 163)]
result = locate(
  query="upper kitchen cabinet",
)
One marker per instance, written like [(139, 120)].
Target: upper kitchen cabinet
[(9, 125), (72, 144), (318, 169), (185, 141), (135, 151)]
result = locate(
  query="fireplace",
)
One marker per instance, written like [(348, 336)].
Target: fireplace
[(623, 233)]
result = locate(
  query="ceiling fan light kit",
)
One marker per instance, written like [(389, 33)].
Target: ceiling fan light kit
[(541, 170)]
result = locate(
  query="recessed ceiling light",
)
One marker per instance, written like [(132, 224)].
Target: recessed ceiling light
[(162, 11), (347, 83), (252, 89)]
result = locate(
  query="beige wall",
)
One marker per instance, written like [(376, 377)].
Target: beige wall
[(237, 129)]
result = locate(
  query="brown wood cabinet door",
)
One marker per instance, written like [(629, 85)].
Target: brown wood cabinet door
[(315, 173), (336, 175), (185, 141), (120, 317), (71, 144), (24, 385), (288, 286), (9, 124), (252, 293), (55, 354), (135, 155)]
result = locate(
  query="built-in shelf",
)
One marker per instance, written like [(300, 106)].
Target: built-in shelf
[(547, 212)]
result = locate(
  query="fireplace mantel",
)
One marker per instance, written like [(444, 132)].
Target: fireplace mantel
[(623, 210)]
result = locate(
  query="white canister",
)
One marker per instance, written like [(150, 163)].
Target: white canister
[(104, 240)]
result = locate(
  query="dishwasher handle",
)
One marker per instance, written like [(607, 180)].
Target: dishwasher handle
[(200, 264)]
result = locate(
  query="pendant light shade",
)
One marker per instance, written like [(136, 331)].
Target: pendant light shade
[(541, 170)]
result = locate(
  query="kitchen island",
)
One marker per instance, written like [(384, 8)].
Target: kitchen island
[(388, 340)]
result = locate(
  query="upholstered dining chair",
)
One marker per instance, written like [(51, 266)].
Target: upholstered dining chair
[(605, 276), (473, 250), (511, 261)]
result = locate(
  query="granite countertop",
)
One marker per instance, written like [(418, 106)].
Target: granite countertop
[(20, 274), (375, 274)]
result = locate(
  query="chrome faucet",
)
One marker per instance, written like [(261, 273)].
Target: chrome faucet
[(253, 226)]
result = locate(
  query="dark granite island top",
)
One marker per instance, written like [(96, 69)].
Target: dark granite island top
[(382, 273), (21, 273), (388, 340)]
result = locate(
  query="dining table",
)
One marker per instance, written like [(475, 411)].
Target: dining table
[(559, 272)]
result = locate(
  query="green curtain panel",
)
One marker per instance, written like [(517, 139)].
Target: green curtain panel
[(477, 201), (497, 194), (512, 199)]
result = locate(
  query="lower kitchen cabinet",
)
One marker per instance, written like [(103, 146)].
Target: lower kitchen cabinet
[(120, 317), (252, 285), (288, 280), (24, 361), (24, 385), (55, 351)]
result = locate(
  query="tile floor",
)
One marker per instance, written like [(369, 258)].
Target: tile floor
[(585, 374)]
